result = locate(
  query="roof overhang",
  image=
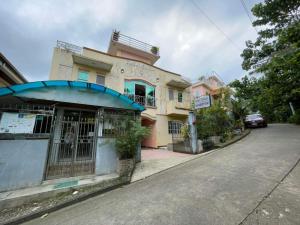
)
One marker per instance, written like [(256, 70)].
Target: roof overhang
[(86, 61), (179, 84), (71, 92)]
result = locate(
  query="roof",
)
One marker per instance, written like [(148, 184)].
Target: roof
[(16, 72), (19, 88)]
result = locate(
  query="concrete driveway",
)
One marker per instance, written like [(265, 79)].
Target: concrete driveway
[(254, 181)]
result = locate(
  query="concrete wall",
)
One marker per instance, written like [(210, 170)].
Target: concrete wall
[(106, 156), (22, 163)]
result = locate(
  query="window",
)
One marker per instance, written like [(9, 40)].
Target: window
[(141, 92), (171, 94), (100, 79), (179, 96), (83, 76), (174, 127)]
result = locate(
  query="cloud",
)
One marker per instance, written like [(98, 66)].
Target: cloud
[(189, 43), (192, 46)]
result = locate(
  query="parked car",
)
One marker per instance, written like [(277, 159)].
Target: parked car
[(255, 120)]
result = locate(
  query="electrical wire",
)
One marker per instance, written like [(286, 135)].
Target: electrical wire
[(216, 26), (248, 14)]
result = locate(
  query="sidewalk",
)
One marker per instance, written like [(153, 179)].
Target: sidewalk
[(157, 160)]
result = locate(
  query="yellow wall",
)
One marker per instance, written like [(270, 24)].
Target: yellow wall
[(63, 68)]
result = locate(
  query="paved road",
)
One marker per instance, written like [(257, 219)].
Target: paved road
[(241, 183)]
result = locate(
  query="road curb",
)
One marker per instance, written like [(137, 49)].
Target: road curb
[(66, 203), (248, 131)]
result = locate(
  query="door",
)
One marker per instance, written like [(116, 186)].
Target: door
[(140, 94), (72, 148)]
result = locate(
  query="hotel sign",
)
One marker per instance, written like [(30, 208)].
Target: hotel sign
[(202, 102)]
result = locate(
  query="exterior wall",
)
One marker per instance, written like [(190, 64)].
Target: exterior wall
[(201, 90), (150, 141), (63, 67), (133, 56), (162, 136), (22, 163), (106, 156)]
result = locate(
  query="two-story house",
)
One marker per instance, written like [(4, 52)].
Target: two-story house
[(128, 67), (211, 85)]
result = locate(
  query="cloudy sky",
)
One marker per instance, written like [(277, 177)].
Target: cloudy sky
[(189, 43)]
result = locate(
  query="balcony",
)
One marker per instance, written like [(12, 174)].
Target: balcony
[(125, 46), (175, 108), (143, 100)]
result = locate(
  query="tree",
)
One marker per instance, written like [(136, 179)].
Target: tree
[(276, 55)]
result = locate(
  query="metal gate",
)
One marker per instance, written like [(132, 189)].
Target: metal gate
[(181, 139), (72, 146)]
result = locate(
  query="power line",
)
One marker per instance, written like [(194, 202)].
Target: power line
[(248, 14), (218, 28)]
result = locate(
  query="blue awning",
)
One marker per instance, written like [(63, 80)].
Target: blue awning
[(65, 83)]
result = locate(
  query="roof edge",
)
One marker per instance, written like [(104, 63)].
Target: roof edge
[(17, 88)]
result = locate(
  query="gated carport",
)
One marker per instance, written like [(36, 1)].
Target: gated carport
[(56, 129)]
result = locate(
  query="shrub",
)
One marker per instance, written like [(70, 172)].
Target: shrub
[(213, 121), (127, 143), (295, 118)]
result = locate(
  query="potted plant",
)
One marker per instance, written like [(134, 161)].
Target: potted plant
[(127, 145), (154, 50)]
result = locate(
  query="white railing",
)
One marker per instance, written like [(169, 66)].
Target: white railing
[(69, 47), (126, 40), (142, 100)]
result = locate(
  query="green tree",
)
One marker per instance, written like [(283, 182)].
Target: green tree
[(276, 55)]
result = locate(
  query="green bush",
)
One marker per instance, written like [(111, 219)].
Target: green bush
[(295, 118), (127, 143), (212, 121)]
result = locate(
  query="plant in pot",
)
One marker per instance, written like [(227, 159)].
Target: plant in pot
[(127, 144), (154, 50)]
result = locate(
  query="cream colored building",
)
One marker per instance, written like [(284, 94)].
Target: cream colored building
[(128, 67)]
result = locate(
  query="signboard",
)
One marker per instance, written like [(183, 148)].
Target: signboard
[(17, 123), (202, 102)]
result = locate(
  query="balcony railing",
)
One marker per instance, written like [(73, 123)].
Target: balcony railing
[(143, 100), (69, 47), (129, 41)]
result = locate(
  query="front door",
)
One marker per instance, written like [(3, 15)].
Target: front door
[(72, 148)]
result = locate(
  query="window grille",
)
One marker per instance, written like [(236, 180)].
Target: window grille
[(26, 121), (174, 127), (179, 96)]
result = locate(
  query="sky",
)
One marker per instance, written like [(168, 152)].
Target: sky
[(189, 43)]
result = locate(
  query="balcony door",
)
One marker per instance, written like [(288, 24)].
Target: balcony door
[(140, 93)]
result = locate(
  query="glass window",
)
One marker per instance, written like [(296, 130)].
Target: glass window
[(83, 76), (179, 96), (100, 79), (174, 127), (171, 94)]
